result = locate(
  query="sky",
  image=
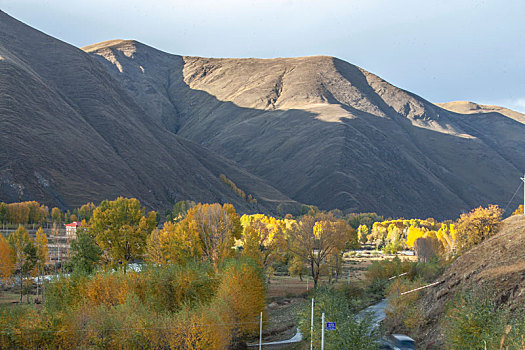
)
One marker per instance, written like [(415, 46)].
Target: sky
[(441, 50)]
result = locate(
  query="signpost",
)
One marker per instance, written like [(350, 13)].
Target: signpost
[(312, 327), (322, 331), (330, 326)]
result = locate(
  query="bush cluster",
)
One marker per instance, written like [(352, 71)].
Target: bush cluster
[(179, 307)]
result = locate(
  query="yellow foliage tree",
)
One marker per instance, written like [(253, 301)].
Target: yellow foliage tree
[(262, 238), (518, 211), (362, 233), (7, 259), (478, 225), (42, 252), (243, 289), (215, 229), (447, 236), (175, 243), (413, 234)]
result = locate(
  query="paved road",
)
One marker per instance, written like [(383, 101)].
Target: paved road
[(377, 311), (295, 339)]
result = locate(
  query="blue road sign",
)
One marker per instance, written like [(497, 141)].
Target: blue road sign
[(330, 326)]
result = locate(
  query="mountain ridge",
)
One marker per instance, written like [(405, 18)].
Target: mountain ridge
[(71, 134), (291, 114)]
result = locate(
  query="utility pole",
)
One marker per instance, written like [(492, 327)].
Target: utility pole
[(312, 327), (322, 332), (260, 332), (523, 179)]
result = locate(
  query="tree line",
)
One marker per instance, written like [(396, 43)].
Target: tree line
[(32, 212)]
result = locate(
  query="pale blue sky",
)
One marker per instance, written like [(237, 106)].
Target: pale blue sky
[(441, 50)]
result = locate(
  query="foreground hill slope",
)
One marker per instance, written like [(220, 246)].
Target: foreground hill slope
[(326, 132), (69, 133), (497, 266)]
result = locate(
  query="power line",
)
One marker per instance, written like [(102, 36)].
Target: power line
[(514, 195)]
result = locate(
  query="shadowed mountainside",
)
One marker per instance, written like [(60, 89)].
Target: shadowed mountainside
[(326, 132), (69, 134)]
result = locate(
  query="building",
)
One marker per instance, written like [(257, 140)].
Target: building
[(71, 229)]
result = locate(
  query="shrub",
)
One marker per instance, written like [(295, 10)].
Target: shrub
[(474, 321), (403, 309)]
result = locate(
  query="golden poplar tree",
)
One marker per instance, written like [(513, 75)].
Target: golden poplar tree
[(7, 259), (42, 251)]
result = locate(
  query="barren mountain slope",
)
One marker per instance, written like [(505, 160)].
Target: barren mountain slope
[(496, 266), (326, 132), (466, 107), (69, 133)]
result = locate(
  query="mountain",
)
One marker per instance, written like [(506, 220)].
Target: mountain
[(326, 132), (466, 107), (70, 133)]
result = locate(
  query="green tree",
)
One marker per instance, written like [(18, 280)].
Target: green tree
[(85, 253), (121, 228), (3, 213)]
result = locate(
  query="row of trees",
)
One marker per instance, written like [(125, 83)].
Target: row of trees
[(430, 238), (32, 212)]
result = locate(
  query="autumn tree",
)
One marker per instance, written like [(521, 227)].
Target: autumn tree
[(56, 215), (37, 212), (216, 227), (18, 213), (297, 267), (175, 243), (179, 210), (7, 259), (25, 256), (478, 225), (85, 212), (262, 238), (242, 288), (447, 236), (121, 228), (362, 233), (42, 253), (519, 210), (315, 239), (427, 248)]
